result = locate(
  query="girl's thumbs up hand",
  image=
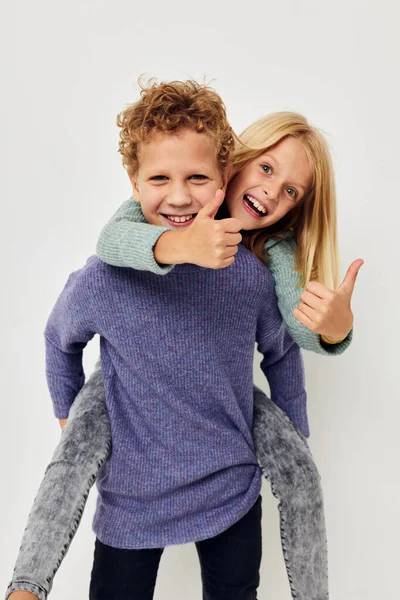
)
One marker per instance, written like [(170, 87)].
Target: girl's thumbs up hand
[(328, 312), (211, 208), (210, 243), (206, 242)]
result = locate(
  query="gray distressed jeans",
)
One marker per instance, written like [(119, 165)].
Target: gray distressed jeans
[(283, 455)]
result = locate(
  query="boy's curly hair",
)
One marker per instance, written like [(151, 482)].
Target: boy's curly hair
[(170, 107)]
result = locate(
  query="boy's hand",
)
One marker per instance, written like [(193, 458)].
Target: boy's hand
[(62, 422), (326, 311), (210, 243)]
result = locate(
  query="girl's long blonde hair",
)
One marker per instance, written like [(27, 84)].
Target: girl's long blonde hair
[(313, 221)]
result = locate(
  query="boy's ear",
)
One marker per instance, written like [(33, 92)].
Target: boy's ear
[(226, 176), (135, 187)]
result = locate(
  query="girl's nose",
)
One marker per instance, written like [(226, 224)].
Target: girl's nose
[(272, 192)]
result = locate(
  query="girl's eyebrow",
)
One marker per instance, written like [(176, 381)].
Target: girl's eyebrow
[(271, 156)]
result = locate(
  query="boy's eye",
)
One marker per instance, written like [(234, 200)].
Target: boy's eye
[(198, 176), (158, 178), (267, 169), (291, 192)]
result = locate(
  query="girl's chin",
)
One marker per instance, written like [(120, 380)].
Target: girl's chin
[(249, 218), (250, 222)]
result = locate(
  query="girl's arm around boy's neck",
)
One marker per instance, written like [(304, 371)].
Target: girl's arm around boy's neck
[(206, 243), (129, 241)]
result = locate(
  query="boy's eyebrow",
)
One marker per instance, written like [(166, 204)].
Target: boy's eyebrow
[(163, 171), (270, 155)]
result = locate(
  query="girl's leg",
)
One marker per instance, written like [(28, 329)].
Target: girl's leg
[(230, 562), (124, 574), (287, 463), (83, 448)]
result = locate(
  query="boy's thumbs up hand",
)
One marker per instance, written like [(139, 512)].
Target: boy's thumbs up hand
[(328, 312), (210, 243)]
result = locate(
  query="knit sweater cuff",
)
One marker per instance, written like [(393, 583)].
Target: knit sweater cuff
[(128, 244), (298, 415), (336, 349), (141, 255), (296, 412)]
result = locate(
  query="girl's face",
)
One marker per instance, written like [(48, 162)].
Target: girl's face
[(270, 185)]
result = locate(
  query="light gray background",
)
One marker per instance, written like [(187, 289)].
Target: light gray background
[(68, 68)]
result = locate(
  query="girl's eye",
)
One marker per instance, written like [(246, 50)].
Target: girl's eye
[(158, 178), (291, 192), (267, 169), (198, 177)]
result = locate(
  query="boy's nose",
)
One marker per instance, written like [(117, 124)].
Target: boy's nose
[(179, 198)]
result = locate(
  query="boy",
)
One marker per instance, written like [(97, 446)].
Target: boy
[(177, 358)]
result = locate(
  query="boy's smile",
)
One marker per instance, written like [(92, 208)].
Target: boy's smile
[(178, 174)]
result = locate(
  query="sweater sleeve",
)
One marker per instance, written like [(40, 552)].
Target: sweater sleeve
[(67, 332), (287, 279), (282, 365), (128, 240)]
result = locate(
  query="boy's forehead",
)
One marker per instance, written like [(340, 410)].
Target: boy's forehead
[(183, 147), (183, 136)]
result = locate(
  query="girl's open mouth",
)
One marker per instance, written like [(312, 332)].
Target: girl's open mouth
[(180, 221), (254, 207)]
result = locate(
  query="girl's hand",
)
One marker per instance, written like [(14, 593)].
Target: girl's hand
[(327, 311), (62, 422), (210, 243), (206, 242)]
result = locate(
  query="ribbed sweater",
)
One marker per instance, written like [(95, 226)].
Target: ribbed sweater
[(128, 241), (177, 361)]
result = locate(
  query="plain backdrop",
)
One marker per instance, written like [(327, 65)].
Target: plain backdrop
[(68, 68)]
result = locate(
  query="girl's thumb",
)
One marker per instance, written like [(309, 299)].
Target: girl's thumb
[(349, 281), (211, 208)]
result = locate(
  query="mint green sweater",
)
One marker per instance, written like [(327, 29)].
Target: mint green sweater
[(128, 241)]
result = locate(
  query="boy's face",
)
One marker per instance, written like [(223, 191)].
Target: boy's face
[(178, 174)]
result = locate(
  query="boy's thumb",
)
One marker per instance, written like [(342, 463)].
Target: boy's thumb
[(211, 208)]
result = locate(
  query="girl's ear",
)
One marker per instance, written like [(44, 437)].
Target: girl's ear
[(135, 187), (226, 176)]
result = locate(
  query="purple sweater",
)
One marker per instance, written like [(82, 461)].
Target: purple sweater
[(177, 360)]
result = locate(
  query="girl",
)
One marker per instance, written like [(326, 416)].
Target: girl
[(282, 191)]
